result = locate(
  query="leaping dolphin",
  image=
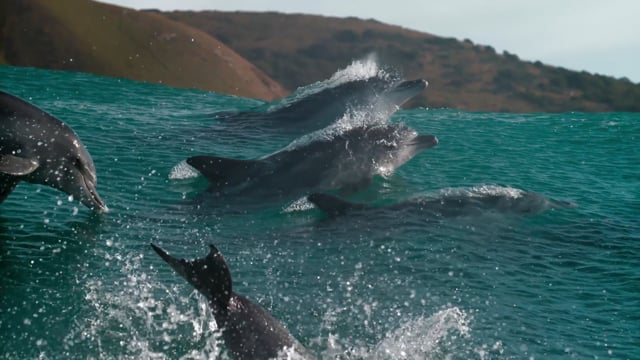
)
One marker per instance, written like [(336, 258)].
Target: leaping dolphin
[(248, 330), (38, 148), (321, 109), (343, 162)]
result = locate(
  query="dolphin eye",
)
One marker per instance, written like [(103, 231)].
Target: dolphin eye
[(77, 162)]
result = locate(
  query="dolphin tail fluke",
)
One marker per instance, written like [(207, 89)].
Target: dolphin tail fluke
[(209, 275), (222, 171), (333, 205)]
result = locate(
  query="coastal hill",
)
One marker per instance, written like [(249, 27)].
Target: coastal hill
[(297, 49), (87, 36), (268, 55)]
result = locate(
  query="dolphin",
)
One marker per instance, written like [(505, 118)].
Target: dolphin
[(345, 162), (448, 205), (38, 148), (318, 110), (248, 330)]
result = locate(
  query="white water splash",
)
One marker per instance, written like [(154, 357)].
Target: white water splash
[(358, 70), (353, 118), (291, 353), (483, 190), (361, 69), (421, 338), (439, 336), (143, 318), (301, 204), (183, 171)]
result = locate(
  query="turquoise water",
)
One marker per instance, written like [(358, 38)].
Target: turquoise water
[(561, 284)]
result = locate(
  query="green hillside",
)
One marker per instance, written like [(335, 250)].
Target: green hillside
[(87, 36), (265, 55), (299, 49)]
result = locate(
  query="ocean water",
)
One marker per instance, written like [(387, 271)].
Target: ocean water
[(561, 284)]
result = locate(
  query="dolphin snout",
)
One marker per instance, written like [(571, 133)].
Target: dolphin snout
[(426, 141), (90, 197), (97, 203)]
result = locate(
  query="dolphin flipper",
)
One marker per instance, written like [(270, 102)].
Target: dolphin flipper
[(11, 169), (222, 171), (17, 166), (333, 205)]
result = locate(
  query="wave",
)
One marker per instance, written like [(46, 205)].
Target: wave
[(423, 337)]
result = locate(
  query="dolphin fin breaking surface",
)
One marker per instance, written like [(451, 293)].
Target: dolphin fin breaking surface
[(224, 171)]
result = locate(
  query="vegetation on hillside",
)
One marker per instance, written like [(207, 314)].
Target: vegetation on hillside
[(194, 49), (300, 49)]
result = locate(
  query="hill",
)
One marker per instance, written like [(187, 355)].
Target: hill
[(87, 36), (297, 49)]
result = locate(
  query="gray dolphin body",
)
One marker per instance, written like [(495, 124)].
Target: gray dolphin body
[(321, 109), (248, 330), (523, 203), (344, 162), (38, 148)]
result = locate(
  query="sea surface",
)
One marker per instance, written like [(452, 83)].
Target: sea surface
[(562, 284)]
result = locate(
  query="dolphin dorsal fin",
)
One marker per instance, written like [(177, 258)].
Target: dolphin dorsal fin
[(222, 171), (333, 205), (17, 166)]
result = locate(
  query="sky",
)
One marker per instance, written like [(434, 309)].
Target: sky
[(598, 36)]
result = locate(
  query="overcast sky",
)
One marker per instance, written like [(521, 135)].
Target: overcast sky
[(594, 35)]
